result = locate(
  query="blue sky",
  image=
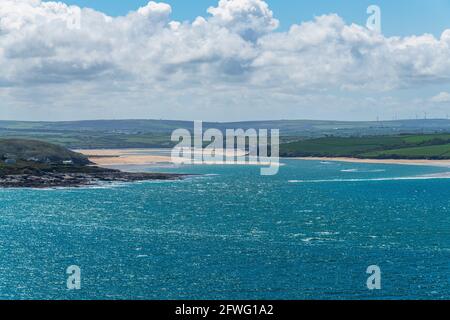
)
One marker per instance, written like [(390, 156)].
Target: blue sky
[(400, 17)]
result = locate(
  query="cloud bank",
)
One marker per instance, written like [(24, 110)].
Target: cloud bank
[(233, 61), (443, 97)]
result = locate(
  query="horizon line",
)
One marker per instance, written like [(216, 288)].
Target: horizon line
[(237, 121)]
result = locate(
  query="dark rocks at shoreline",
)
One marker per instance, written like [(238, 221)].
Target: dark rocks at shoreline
[(73, 179)]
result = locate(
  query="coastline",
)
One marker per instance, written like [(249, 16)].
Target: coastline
[(65, 177), (111, 157), (418, 162), (32, 174)]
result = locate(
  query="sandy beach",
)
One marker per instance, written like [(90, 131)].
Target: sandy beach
[(439, 163), (111, 157)]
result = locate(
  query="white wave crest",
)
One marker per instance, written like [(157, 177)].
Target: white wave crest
[(438, 176)]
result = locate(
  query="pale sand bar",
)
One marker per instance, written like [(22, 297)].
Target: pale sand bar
[(111, 157)]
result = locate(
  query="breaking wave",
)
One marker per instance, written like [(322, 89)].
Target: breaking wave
[(445, 175)]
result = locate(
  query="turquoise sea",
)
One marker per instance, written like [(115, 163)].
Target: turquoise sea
[(309, 232)]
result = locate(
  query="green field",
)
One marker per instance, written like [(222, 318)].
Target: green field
[(93, 140), (430, 152), (432, 146)]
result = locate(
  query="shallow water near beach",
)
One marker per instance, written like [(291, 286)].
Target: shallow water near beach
[(309, 232)]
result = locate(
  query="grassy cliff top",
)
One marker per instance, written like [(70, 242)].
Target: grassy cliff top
[(20, 149), (423, 146)]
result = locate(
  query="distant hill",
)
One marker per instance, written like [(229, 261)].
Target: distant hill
[(156, 133), (287, 127), (38, 151)]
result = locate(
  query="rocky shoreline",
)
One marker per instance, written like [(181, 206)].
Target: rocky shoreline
[(74, 179), (38, 164)]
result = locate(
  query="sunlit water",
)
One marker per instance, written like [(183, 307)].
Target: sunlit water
[(309, 232)]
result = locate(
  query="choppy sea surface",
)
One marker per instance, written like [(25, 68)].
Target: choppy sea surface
[(309, 232)]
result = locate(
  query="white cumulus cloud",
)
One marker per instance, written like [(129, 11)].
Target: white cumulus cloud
[(231, 62), (442, 97), (249, 18)]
